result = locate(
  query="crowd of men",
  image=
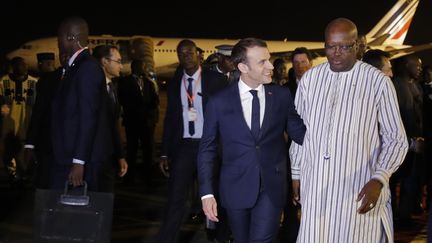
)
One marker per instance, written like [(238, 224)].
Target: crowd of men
[(259, 140)]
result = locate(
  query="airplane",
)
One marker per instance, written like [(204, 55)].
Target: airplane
[(160, 53)]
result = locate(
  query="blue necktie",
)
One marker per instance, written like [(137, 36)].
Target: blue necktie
[(255, 121), (190, 105)]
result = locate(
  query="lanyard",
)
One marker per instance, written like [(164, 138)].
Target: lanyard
[(197, 82)]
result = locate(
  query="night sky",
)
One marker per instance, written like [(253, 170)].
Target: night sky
[(270, 20)]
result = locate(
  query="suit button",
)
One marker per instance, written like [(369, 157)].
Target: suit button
[(257, 147)]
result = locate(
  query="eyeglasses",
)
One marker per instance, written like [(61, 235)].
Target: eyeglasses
[(117, 61), (342, 48)]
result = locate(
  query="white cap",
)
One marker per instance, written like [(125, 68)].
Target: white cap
[(224, 49)]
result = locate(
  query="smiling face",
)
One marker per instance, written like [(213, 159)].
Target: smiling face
[(340, 45), (257, 69)]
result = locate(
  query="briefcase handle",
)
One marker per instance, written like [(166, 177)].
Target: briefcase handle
[(74, 200)]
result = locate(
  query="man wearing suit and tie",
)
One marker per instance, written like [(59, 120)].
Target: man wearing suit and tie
[(249, 120), (81, 133), (187, 94), (110, 59)]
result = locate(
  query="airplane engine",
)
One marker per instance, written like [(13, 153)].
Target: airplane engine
[(141, 48)]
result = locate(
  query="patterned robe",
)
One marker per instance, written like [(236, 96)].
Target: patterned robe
[(21, 97), (354, 133)]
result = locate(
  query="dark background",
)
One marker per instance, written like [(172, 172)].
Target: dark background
[(271, 20)]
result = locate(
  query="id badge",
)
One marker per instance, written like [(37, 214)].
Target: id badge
[(192, 114)]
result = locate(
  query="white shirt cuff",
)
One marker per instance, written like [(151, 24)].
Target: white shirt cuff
[(207, 196), (30, 146), (77, 161)]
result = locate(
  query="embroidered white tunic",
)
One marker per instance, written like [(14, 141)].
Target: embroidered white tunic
[(354, 133)]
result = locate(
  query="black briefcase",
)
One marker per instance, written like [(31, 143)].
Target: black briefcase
[(72, 216)]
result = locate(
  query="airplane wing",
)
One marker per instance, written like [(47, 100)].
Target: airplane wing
[(396, 53)]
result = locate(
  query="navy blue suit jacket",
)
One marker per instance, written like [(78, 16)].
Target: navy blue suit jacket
[(81, 124), (173, 124), (247, 161)]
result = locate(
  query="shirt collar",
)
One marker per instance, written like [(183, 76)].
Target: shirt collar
[(244, 88), (73, 57), (195, 76)]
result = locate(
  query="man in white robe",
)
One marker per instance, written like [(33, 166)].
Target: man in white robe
[(355, 140)]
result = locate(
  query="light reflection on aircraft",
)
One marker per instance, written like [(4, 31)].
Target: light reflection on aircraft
[(160, 53)]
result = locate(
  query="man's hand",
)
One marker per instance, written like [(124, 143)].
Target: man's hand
[(369, 195), (209, 206), (164, 165), (296, 192), (76, 175), (419, 145), (123, 167)]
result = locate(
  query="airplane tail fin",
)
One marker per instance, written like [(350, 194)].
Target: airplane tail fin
[(395, 23)]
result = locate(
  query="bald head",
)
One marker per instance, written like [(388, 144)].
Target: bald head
[(341, 25), (341, 44), (72, 35)]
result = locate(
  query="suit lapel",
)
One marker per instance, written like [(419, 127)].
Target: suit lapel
[(268, 109), (204, 89), (238, 109)]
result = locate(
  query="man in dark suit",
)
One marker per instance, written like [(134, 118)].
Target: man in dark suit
[(38, 146), (110, 59), (249, 119), (140, 102), (302, 61), (81, 133), (39, 131), (187, 96)]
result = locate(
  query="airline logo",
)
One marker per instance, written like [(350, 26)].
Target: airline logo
[(396, 22)]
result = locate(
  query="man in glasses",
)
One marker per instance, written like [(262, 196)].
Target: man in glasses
[(355, 140), (110, 59)]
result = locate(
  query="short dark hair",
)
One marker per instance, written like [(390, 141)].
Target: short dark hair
[(239, 51), (103, 51), (186, 42), (375, 57), (301, 50), (278, 62)]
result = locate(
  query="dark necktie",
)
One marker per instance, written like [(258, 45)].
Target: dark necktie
[(190, 105), (255, 118), (111, 93)]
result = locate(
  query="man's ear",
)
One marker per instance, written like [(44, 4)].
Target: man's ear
[(243, 67)]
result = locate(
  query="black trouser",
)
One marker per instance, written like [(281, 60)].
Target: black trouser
[(136, 134), (182, 175), (42, 173)]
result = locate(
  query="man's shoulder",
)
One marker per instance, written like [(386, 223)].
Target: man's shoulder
[(226, 92), (5, 77), (272, 87), (211, 74), (373, 74), (31, 79)]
